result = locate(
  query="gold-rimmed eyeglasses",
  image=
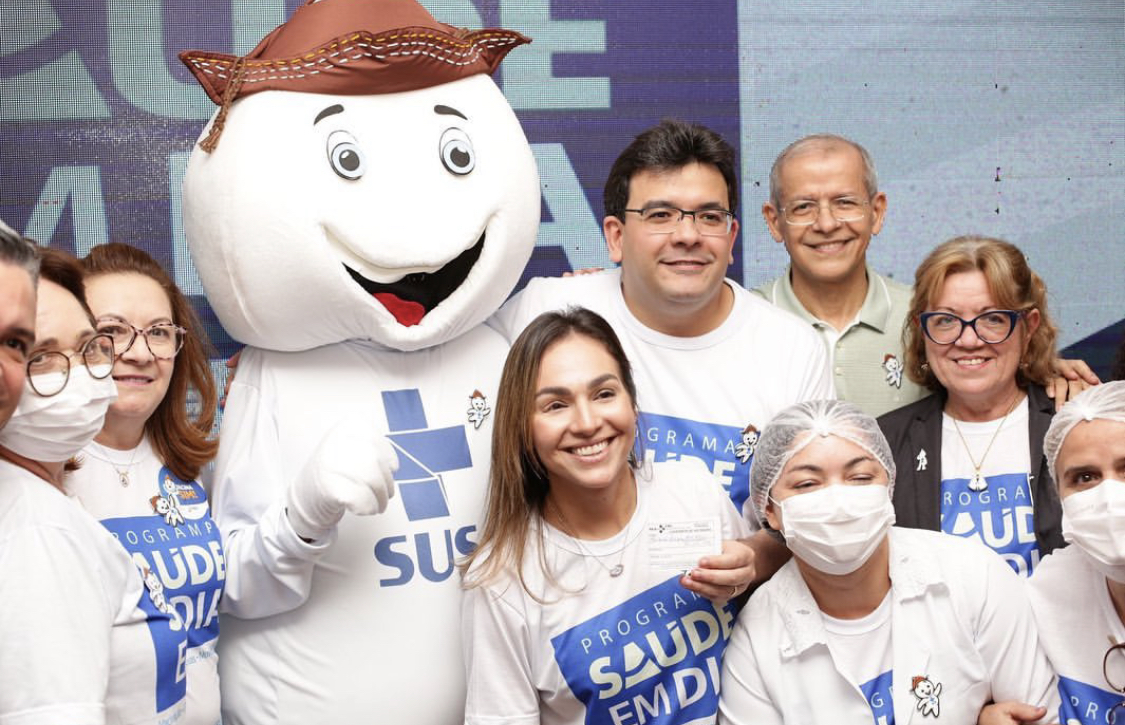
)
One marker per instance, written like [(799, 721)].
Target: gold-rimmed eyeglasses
[(48, 372)]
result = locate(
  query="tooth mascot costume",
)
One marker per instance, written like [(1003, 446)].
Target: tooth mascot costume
[(362, 200)]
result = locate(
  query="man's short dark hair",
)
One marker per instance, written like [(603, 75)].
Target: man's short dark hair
[(668, 146), (15, 249)]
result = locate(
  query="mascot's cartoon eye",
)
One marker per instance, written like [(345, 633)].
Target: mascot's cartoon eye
[(457, 152), (345, 156)]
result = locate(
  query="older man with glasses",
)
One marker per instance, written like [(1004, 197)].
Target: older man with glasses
[(825, 206)]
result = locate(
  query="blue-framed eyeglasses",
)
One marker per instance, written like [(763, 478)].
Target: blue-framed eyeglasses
[(992, 327)]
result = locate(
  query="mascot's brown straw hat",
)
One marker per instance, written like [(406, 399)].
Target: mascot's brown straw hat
[(350, 47)]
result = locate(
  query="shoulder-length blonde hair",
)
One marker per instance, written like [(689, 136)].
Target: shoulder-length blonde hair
[(183, 444), (1013, 286), (518, 484)]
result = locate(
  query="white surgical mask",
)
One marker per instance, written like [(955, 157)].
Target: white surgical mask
[(54, 429), (837, 528), (1094, 521)]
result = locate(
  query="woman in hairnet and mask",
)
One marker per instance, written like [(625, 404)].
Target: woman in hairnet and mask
[(868, 621), (1078, 593)]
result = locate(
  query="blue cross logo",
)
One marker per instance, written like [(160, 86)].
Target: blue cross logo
[(423, 454)]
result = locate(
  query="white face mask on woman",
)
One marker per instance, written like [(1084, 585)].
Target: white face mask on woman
[(837, 528), (54, 429), (1094, 521)]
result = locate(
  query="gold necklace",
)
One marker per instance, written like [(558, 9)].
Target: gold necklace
[(616, 569), (977, 482), (122, 474)]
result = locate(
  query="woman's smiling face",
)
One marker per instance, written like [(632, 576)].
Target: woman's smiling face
[(584, 421)]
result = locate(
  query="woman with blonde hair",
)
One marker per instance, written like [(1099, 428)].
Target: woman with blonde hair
[(141, 473), (970, 455), (576, 608)]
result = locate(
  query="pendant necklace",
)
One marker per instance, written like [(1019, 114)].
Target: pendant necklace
[(616, 569), (122, 473), (978, 483)]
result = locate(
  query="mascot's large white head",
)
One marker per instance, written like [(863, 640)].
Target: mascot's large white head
[(371, 181)]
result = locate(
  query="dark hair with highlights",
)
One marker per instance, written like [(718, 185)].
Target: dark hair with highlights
[(184, 445), (668, 146), (518, 484)]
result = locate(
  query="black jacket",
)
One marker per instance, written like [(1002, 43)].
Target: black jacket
[(917, 496)]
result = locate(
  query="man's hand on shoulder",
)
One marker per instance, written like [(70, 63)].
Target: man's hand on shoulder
[(1072, 377)]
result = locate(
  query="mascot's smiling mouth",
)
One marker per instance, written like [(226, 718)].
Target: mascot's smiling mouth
[(412, 297)]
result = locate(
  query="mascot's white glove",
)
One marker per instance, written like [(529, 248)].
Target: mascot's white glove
[(351, 470)]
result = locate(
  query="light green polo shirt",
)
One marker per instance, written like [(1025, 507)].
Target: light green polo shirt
[(867, 359)]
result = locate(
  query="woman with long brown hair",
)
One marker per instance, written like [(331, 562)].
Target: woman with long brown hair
[(140, 475), (576, 608)]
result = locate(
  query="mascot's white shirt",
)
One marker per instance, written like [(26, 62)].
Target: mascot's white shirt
[(697, 395), (74, 646), (385, 589), (180, 547), (603, 649), (959, 618), (1076, 623)]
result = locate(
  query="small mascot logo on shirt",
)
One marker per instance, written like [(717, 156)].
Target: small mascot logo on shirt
[(745, 449), (478, 408), (168, 505), (893, 367), (156, 594), (927, 693)]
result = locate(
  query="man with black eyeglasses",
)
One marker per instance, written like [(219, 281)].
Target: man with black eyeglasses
[(713, 363), (825, 206)]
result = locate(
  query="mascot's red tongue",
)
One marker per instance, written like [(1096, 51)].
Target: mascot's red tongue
[(407, 312)]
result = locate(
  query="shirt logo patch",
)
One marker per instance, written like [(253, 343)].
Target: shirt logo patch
[(168, 505), (745, 449), (478, 408), (893, 368), (927, 693)]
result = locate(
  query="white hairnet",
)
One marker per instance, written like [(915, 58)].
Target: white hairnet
[(796, 426), (1101, 402)]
